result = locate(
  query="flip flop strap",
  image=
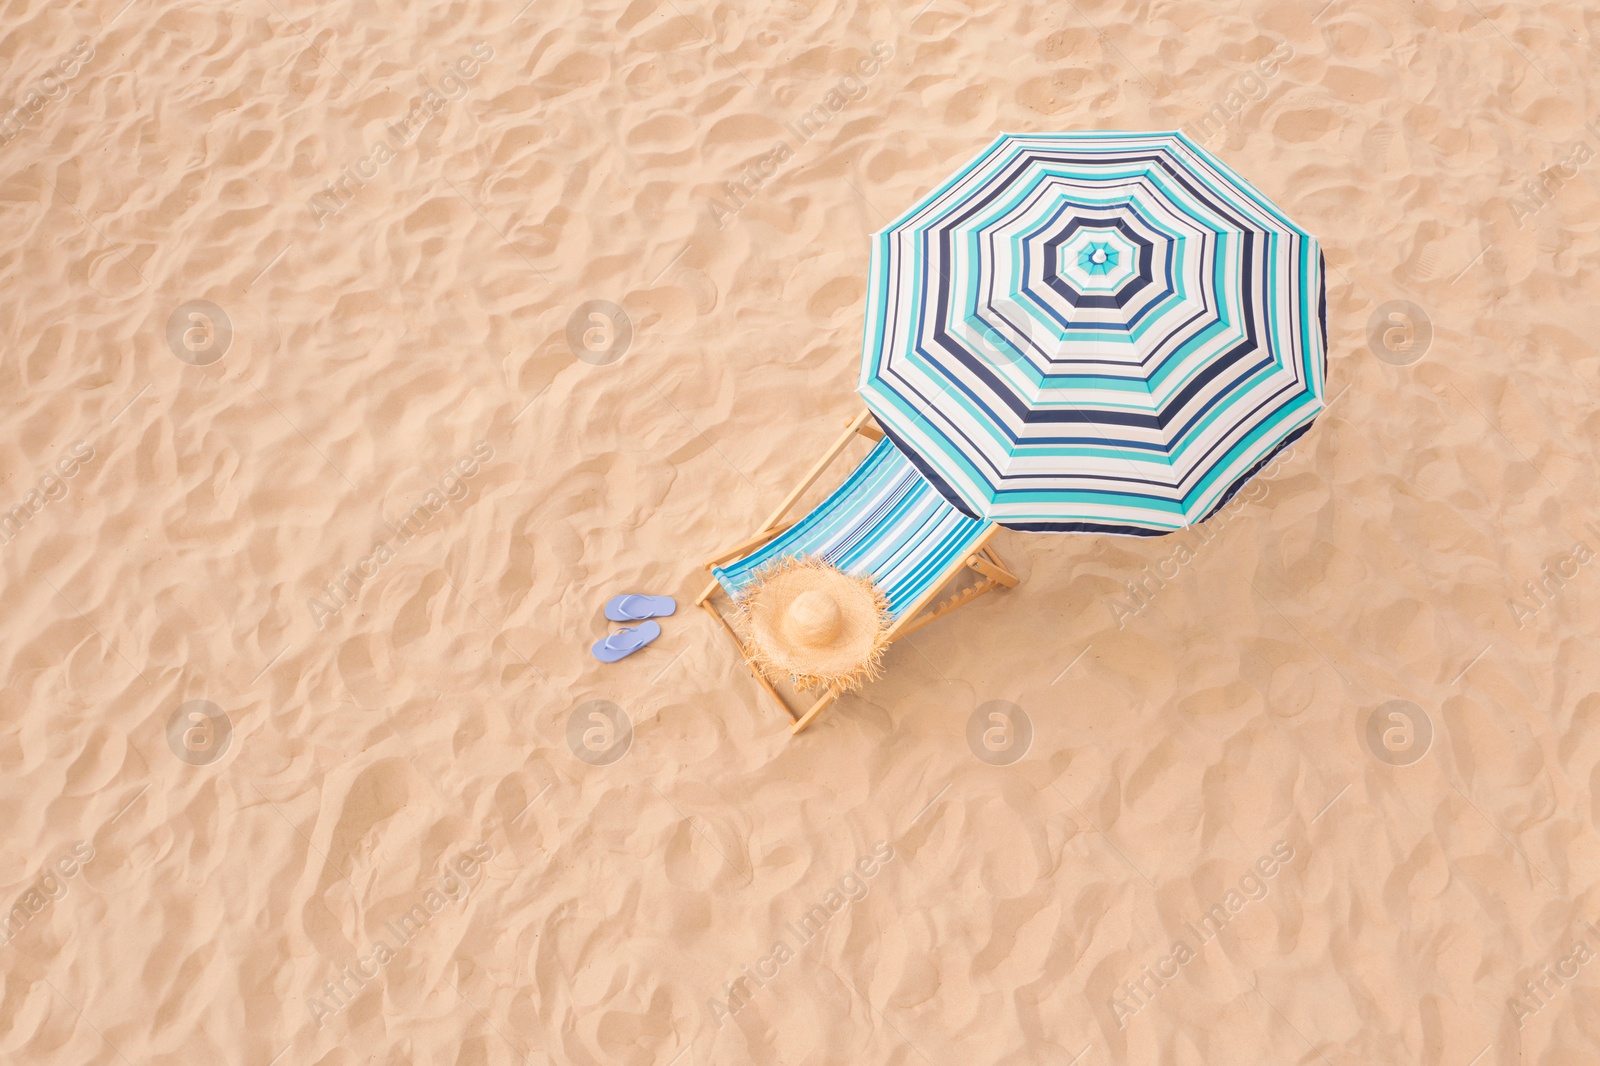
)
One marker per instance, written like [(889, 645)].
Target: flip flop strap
[(620, 633), (626, 607)]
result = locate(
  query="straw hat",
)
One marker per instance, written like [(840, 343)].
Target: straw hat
[(810, 622)]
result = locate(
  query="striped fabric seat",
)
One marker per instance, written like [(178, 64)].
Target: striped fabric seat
[(885, 522)]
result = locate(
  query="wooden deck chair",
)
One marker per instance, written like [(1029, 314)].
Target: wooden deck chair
[(886, 522)]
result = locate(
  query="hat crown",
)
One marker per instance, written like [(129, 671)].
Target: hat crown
[(811, 623), (814, 618)]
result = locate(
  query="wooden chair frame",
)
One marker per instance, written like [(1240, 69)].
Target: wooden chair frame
[(981, 559)]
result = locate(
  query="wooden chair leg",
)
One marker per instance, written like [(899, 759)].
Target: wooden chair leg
[(778, 699), (994, 557), (816, 709), (992, 570)]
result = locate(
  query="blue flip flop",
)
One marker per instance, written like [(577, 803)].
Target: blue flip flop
[(633, 608), (624, 642)]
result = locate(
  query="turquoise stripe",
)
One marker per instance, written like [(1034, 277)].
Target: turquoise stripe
[(959, 414), (885, 522)]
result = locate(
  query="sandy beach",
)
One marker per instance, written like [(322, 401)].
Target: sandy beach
[(354, 355)]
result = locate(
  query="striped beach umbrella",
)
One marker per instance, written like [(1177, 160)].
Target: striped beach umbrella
[(1094, 332)]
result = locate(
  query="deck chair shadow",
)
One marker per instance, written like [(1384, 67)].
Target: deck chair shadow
[(885, 522)]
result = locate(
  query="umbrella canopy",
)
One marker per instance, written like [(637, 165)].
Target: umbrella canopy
[(1094, 332)]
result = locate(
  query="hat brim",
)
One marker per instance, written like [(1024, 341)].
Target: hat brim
[(849, 660)]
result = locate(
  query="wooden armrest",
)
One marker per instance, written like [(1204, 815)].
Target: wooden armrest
[(818, 467), (774, 524), (745, 545)]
